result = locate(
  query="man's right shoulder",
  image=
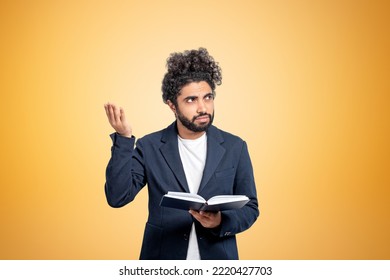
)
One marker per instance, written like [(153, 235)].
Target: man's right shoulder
[(156, 136), (152, 136)]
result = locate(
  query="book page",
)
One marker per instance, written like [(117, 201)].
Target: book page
[(219, 199), (186, 196)]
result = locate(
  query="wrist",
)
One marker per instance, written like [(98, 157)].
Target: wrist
[(126, 135)]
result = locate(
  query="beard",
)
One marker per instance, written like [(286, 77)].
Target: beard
[(191, 125)]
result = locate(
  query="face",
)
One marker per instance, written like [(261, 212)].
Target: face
[(195, 107)]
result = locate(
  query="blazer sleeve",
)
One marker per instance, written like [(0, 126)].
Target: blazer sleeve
[(235, 221), (125, 172)]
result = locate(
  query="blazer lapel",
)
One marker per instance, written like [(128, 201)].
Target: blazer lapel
[(170, 152), (215, 153)]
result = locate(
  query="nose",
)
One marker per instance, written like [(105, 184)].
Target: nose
[(201, 107)]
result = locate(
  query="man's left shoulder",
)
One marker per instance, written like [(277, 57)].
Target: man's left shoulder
[(224, 135)]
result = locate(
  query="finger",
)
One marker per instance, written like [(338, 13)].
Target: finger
[(202, 213), (106, 109), (207, 214), (117, 115), (202, 219), (111, 114), (192, 212), (112, 109), (122, 114), (195, 214)]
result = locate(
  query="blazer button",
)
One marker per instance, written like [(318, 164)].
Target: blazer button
[(185, 236)]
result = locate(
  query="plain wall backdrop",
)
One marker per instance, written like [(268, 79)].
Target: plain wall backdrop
[(305, 83)]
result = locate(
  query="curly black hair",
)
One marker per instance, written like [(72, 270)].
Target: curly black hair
[(189, 66)]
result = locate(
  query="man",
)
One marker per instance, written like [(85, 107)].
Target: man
[(190, 155)]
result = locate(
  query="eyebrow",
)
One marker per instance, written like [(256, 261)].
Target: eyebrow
[(191, 97), (196, 97)]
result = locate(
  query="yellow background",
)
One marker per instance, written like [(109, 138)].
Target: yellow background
[(305, 83)]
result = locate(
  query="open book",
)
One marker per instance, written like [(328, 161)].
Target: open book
[(187, 201)]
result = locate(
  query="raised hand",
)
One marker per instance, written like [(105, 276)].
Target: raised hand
[(116, 117)]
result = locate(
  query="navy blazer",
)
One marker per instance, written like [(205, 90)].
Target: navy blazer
[(155, 161)]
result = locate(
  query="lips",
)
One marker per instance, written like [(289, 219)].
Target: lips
[(202, 118)]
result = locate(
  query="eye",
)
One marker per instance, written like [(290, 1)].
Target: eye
[(209, 97), (190, 100)]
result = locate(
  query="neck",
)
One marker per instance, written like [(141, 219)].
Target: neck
[(185, 133)]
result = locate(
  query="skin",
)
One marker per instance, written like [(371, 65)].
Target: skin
[(194, 99), (117, 119)]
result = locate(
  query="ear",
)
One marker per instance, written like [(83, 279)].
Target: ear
[(172, 106)]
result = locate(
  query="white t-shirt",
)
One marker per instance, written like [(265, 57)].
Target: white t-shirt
[(193, 157)]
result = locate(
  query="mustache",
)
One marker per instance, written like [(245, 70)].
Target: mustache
[(201, 115)]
